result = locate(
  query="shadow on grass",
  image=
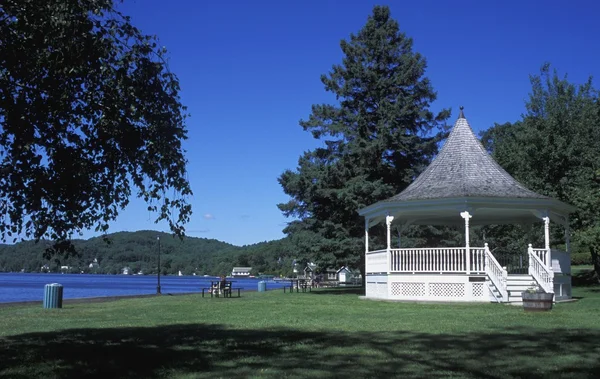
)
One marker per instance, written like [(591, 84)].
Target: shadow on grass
[(585, 278), (200, 350)]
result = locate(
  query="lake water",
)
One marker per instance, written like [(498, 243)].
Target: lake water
[(30, 287)]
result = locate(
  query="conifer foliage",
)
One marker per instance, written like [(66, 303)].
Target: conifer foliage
[(376, 140)]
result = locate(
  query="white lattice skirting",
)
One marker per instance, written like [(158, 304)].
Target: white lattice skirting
[(427, 288)]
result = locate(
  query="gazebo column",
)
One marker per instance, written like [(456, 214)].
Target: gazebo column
[(467, 216), (388, 223), (547, 241), (366, 235)]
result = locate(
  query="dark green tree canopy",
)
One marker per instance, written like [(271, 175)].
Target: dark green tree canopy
[(554, 150), (375, 141), (88, 112)]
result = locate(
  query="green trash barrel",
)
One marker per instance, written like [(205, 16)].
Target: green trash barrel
[(53, 295), (262, 286)]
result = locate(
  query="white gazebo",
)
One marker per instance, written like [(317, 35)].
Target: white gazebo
[(464, 185)]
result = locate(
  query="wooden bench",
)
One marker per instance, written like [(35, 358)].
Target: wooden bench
[(299, 286), (305, 286), (227, 292)]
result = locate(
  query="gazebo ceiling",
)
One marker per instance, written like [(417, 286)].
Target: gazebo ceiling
[(465, 177), (485, 211)]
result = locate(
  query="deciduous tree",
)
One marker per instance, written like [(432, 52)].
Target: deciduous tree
[(89, 112), (554, 150)]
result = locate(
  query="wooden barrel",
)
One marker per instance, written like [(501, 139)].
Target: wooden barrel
[(537, 301)]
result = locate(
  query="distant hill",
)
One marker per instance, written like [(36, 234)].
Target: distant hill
[(139, 252)]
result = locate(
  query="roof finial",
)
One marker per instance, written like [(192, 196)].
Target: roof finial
[(461, 114)]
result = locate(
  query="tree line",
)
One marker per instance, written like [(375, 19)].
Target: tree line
[(138, 251)]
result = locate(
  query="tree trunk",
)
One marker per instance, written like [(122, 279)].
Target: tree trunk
[(596, 261), (363, 271)]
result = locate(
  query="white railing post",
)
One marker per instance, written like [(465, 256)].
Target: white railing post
[(505, 282), (388, 222), (485, 257), (467, 216), (543, 275), (496, 273), (366, 235), (366, 245), (548, 259), (530, 253), (546, 232)]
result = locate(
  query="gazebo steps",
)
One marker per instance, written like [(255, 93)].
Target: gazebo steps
[(516, 284)]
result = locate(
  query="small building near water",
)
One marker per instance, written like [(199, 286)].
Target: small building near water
[(310, 271), (94, 264), (241, 272), (344, 274), (330, 274)]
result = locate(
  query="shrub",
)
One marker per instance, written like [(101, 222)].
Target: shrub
[(578, 259)]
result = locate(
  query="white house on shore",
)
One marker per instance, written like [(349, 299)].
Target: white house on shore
[(94, 263), (464, 186), (241, 272)]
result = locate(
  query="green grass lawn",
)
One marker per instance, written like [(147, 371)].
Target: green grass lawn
[(327, 333), (581, 268)]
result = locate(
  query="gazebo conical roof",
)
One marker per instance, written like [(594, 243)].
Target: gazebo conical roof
[(465, 177)]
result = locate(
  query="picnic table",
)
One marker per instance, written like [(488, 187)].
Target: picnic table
[(219, 288), (299, 285)]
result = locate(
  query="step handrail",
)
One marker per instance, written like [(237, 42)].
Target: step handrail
[(497, 274), (540, 273)]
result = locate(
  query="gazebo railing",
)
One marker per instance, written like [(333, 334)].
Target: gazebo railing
[(543, 275), (477, 260), (542, 254), (443, 259), (497, 274), (480, 260), (454, 260), (376, 261), (447, 259)]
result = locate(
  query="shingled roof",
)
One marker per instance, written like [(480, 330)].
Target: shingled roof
[(463, 168)]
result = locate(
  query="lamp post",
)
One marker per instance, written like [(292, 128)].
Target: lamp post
[(158, 275)]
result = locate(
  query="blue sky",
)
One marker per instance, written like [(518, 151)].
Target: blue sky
[(249, 71)]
